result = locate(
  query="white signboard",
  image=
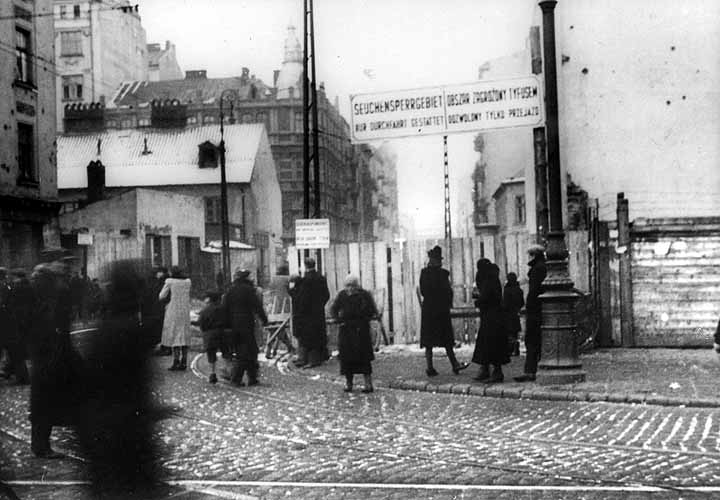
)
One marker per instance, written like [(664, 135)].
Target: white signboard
[(483, 105), (84, 239), (312, 233)]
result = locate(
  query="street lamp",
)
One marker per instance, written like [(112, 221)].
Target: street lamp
[(559, 359), (231, 95)]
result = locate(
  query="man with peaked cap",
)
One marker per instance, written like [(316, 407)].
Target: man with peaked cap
[(533, 312), (240, 304), (310, 295)]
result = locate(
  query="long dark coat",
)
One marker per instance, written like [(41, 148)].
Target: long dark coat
[(491, 341), (435, 326), (354, 310), (153, 310), (536, 275), (512, 303), (241, 303), (311, 294), (56, 384)]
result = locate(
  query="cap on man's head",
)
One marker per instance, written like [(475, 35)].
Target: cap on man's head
[(241, 273), (536, 250), (309, 263), (435, 253)]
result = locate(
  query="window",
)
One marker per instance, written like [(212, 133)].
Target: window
[(143, 122), (208, 155), (189, 256), (71, 43), (213, 210), (26, 153), (263, 118), (23, 54), (63, 11), (208, 119), (72, 88), (298, 121), (520, 209), (158, 251), (283, 115), (76, 11), (246, 118), (191, 120)]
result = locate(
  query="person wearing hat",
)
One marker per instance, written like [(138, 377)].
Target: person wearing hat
[(310, 295), (241, 304), (533, 312), (176, 322), (435, 325)]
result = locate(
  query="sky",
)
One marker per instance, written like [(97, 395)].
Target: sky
[(362, 46)]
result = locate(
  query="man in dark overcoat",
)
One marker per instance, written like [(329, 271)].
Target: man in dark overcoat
[(533, 312), (435, 325), (311, 294), (241, 303), (491, 340), (153, 309), (16, 305), (55, 384)]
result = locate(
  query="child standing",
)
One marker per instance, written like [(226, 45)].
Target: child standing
[(212, 323), (512, 303)]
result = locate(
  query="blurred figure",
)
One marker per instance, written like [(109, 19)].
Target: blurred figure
[(435, 325), (212, 323), (154, 310), (241, 304), (18, 302), (533, 312), (310, 294), (176, 323), (513, 301), (354, 308), (78, 292), (115, 431), (491, 341), (55, 382)]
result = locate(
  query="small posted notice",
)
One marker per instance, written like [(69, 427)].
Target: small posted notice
[(312, 233)]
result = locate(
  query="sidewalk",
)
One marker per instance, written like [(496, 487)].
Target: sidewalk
[(669, 377)]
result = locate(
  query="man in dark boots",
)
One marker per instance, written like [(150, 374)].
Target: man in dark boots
[(310, 296), (241, 303), (533, 312)]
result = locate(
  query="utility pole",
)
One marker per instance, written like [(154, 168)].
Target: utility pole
[(224, 217), (310, 112), (560, 359), (448, 226)]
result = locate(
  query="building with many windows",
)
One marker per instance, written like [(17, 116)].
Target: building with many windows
[(28, 182), (98, 45)]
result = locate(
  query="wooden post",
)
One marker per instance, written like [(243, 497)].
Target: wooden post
[(603, 282), (624, 253)]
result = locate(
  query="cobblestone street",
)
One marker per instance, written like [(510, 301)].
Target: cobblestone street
[(297, 427)]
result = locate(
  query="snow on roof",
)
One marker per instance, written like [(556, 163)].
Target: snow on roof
[(173, 157)]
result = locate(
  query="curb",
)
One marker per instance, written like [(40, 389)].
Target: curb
[(531, 392), (539, 393)]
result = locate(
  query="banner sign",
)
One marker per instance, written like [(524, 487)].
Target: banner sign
[(312, 233), (483, 105)]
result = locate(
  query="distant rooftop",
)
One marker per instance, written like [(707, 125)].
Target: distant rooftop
[(170, 158)]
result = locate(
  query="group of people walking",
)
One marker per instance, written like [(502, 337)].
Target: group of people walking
[(497, 336)]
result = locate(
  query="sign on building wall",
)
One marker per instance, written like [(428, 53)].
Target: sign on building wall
[(312, 233), (483, 105)]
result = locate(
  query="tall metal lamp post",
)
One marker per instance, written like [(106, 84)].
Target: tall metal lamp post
[(560, 359), (231, 95)]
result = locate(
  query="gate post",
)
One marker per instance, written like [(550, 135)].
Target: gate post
[(624, 247)]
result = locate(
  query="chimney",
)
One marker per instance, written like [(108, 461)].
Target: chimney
[(245, 76), (95, 181), (276, 73)]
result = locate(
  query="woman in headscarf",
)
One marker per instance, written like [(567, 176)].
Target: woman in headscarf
[(491, 341), (176, 325), (353, 309)]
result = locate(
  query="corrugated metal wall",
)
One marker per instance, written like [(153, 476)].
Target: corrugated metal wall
[(676, 286)]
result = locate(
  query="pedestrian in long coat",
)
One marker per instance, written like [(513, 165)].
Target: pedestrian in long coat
[(513, 301), (491, 340), (311, 294), (153, 310), (435, 325), (241, 305), (176, 324), (353, 308), (533, 312), (56, 391)]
